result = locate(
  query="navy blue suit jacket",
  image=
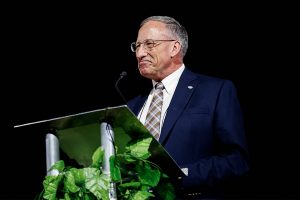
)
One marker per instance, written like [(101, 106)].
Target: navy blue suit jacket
[(203, 129)]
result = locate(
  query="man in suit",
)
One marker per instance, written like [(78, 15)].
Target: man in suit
[(201, 123)]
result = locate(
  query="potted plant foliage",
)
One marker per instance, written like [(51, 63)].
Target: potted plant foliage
[(135, 177)]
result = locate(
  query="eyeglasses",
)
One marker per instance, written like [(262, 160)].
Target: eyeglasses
[(147, 44)]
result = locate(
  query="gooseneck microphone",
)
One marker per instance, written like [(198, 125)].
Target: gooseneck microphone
[(122, 75)]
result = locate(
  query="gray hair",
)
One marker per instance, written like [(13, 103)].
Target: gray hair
[(176, 29)]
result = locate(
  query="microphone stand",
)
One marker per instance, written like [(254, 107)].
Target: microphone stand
[(122, 75)]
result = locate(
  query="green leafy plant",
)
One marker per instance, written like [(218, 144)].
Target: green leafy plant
[(136, 177)]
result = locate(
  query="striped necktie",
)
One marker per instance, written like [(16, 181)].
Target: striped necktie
[(152, 122)]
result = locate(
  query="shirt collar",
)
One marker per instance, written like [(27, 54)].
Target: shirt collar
[(170, 82)]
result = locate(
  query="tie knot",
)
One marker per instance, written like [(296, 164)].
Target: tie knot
[(159, 85)]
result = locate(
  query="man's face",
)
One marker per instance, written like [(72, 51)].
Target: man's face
[(154, 48)]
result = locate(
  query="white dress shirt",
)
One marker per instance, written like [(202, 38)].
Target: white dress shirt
[(170, 84)]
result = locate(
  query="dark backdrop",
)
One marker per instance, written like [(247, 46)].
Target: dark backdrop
[(66, 60)]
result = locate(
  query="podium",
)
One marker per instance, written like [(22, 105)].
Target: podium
[(79, 135)]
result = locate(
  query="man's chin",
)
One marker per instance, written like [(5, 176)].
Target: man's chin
[(144, 72), (144, 69)]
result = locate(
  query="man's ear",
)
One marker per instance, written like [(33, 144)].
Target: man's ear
[(176, 49)]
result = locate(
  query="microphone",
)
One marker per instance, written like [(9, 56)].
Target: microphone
[(122, 75)]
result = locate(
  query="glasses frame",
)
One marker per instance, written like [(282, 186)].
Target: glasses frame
[(135, 45)]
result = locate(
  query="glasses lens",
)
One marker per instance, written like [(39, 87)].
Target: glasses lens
[(133, 47), (149, 44)]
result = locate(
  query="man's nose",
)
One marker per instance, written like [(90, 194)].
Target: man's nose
[(140, 52)]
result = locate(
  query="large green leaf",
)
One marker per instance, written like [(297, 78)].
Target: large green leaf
[(114, 169), (142, 195), (97, 157), (79, 176), (140, 149), (59, 165), (97, 183), (147, 175), (70, 183), (51, 184)]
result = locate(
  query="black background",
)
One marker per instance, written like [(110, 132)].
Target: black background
[(67, 58)]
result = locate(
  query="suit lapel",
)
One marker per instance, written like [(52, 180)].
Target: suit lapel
[(183, 92)]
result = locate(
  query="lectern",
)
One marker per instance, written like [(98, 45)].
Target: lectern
[(79, 135)]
